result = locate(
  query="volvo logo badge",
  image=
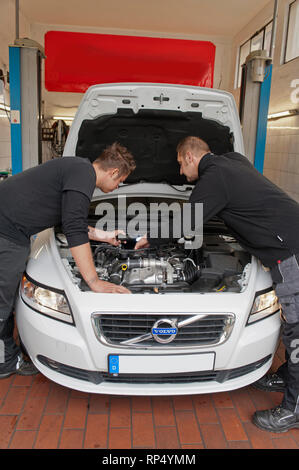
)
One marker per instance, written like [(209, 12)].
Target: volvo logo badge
[(164, 330)]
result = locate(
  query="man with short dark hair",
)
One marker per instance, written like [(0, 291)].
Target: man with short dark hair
[(265, 221), (56, 192)]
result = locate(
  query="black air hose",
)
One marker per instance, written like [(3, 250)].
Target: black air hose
[(191, 273)]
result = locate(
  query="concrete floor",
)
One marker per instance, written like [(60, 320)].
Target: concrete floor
[(38, 414)]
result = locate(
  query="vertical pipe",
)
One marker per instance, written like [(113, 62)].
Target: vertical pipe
[(15, 109), (274, 27), (262, 120), (17, 19)]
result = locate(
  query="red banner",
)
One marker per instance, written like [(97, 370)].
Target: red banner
[(75, 61)]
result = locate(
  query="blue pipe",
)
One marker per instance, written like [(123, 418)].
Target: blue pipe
[(15, 108), (262, 122)]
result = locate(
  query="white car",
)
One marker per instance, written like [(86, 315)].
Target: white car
[(198, 320)]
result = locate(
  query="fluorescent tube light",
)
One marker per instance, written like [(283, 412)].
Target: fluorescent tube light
[(281, 114), (284, 127), (64, 118), (3, 107)]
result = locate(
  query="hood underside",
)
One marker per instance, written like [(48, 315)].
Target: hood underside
[(152, 137)]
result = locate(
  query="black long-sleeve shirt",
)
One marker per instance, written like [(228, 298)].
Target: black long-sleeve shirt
[(262, 217), (56, 192)]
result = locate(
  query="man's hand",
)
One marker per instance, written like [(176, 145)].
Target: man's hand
[(107, 287), (104, 236), (142, 243), (83, 257)]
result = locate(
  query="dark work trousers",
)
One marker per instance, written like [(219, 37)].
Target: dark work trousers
[(13, 259), (285, 276)]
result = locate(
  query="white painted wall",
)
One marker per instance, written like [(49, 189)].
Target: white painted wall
[(281, 163), (282, 147), (5, 159), (282, 155)]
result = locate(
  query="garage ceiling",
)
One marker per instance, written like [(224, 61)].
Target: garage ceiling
[(200, 17)]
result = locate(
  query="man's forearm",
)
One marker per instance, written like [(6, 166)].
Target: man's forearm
[(82, 255), (84, 260), (92, 233)]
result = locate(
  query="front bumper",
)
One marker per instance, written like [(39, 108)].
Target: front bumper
[(74, 358)]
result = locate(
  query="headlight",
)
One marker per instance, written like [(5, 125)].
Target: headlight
[(265, 303), (48, 301)]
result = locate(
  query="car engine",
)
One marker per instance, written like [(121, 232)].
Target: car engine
[(219, 265)]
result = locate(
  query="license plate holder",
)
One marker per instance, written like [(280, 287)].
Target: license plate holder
[(119, 364)]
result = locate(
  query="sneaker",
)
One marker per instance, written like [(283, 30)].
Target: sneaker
[(270, 383), (22, 367), (276, 420)]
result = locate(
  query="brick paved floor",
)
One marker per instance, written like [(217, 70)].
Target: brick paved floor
[(38, 414)]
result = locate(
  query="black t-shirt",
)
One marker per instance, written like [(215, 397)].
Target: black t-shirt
[(56, 192)]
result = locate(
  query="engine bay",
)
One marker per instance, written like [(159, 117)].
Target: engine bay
[(219, 265)]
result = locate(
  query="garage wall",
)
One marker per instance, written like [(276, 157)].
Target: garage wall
[(5, 159), (282, 155), (67, 102), (281, 163), (282, 147), (7, 36)]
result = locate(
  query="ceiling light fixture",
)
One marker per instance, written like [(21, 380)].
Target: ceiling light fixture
[(4, 107), (281, 114), (63, 118)]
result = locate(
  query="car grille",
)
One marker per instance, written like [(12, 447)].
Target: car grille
[(193, 331)]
